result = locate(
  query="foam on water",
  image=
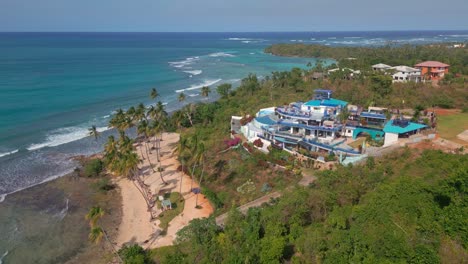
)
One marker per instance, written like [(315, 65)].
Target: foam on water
[(221, 54), (63, 136), (48, 179), (64, 211), (193, 95), (8, 153), (194, 72), (239, 39), (3, 256), (184, 63), (199, 86)]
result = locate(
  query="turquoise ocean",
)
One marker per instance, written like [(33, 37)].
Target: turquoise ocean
[(54, 86)]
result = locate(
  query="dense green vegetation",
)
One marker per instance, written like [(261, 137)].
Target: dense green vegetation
[(363, 57), (406, 208)]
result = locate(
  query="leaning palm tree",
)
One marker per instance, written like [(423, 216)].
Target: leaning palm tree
[(94, 214), (200, 159), (96, 234), (160, 170), (180, 149), (93, 132), (205, 91)]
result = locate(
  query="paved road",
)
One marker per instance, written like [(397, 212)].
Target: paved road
[(305, 181)]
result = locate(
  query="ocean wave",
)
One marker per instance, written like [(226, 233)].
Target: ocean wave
[(352, 37), (199, 86), (48, 179), (194, 72), (63, 136), (455, 36), (193, 95), (8, 153), (221, 54), (184, 63), (238, 39)]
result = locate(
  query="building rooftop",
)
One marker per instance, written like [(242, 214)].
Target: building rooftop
[(431, 64), (403, 68), (328, 102), (381, 66), (401, 126)]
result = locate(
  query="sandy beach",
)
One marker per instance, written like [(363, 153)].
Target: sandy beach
[(136, 225)]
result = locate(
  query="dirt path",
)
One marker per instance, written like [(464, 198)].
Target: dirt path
[(305, 181)]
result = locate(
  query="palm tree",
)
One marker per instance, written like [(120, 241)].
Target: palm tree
[(205, 91), (193, 146), (111, 153), (154, 93), (140, 113), (96, 234), (162, 116), (180, 150), (181, 97), (119, 120), (200, 159), (93, 132), (130, 115), (143, 129), (94, 214), (160, 170), (251, 83), (188, 110)]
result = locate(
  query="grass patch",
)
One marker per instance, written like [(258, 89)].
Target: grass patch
[(449, 126), (177, 208)]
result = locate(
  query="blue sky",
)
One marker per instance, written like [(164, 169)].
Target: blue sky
[(232, 15)]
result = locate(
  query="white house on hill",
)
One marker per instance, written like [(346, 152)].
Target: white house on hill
[(404, 74)]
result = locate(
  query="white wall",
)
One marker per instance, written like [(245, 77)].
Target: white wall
[(390, 139)]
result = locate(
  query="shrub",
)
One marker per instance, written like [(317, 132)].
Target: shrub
[(232, 142), (134, 254), (258, 143), (93, 168), (212, 197), (104, 185)]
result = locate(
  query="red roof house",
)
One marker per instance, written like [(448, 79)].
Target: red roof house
[(433, 70)]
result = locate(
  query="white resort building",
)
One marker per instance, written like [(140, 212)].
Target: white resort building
[(405, 73)]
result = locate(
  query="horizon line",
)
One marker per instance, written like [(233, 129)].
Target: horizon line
[(292, 31)]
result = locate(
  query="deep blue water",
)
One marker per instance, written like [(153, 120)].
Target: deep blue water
[(53, 86)]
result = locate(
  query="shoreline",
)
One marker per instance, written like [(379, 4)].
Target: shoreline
[(50, 217)]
